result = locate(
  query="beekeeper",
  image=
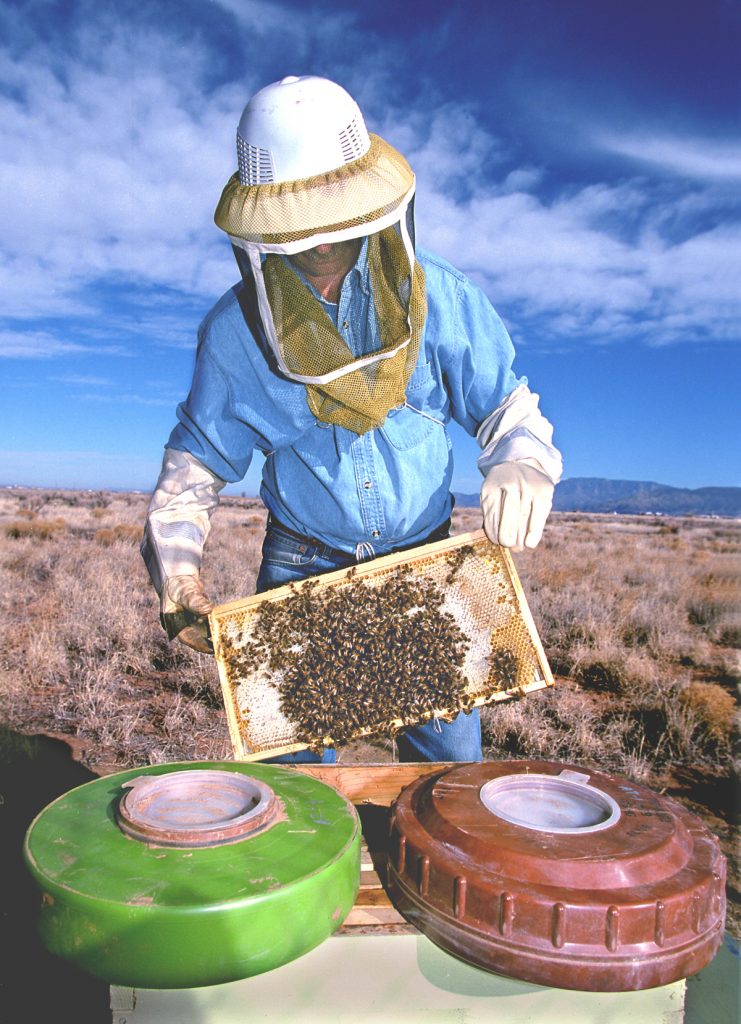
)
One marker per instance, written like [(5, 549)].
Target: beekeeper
[(341, 355)]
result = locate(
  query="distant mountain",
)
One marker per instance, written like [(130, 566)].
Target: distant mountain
[(632, 497)]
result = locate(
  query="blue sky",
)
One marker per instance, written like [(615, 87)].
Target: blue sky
[(579, 159)]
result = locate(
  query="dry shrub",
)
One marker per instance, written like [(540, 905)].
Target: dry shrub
[(561, 723), (728, 634), (645, 728), (600, 672), (35, 529), (32, 502), (232, 558), (624, 587), (625, 673), (714, 709), (465, 520), (665, 530), (100, 513), (85, 654), (716, 609), (128, 532), (655, 725)]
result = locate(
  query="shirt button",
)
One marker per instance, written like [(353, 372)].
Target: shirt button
[(367, 484), (345, 325), (376, 533)]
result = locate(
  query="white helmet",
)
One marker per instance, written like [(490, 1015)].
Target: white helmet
[(297, 128), (309, 171)]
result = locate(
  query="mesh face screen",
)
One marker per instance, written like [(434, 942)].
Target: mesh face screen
[(376, 648), (312, 346)]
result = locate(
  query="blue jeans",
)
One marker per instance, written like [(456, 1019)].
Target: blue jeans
[(287, 558)]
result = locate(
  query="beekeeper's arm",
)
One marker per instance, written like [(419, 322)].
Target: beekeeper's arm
[(518, 460), (520, 467), (178, 523)]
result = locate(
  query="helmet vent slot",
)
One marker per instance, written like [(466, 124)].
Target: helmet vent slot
[(255, 163), (353, 140)]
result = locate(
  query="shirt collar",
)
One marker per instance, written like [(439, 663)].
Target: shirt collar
[(360, 270), (357, 275)]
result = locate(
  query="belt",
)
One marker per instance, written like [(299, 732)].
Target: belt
[(439, 533), (325, 549)]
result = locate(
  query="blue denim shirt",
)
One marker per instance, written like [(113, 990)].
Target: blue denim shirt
[(387, 487)]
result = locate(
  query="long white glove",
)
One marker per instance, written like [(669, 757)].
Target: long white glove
[(520, 467), (178, 523), (515, 500)]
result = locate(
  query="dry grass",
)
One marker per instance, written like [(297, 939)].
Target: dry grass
[(638, 615), (640, 618), (617, 600), (81, 649)]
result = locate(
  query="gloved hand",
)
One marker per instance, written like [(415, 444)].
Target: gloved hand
[(188, 620), (515, 500)]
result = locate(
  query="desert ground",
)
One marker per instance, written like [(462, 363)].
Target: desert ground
[(639, 616)]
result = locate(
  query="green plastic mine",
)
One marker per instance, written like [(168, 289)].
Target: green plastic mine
[(139, 914)]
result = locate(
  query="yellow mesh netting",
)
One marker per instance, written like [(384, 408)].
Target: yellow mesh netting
[(377, 647), (312, 346), (357, 193)]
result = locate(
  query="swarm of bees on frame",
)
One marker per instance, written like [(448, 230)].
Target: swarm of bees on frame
[(353, 659)]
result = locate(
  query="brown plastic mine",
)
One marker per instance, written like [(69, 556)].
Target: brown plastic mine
[(196, 808), (558, 875)]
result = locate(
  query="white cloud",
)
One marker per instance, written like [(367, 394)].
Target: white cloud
[(113, 155), (706, 159), (522, 179), (111, 175), (447, 146), (167, 401), (44, 345), (696, 283), (598, 263), (83, 380), (289, 24)]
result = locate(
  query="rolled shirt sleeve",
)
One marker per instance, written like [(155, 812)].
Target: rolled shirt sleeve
[(517, 431)]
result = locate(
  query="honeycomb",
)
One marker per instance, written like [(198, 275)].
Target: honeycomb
[(375, 648)]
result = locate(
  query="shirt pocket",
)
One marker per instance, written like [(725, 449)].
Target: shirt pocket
[(411, 424)]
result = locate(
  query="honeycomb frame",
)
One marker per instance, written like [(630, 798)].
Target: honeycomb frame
[(483, 594)]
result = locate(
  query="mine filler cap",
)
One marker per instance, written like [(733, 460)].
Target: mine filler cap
[(558, 875)]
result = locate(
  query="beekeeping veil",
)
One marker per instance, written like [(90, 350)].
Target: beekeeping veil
[(309, 174)]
